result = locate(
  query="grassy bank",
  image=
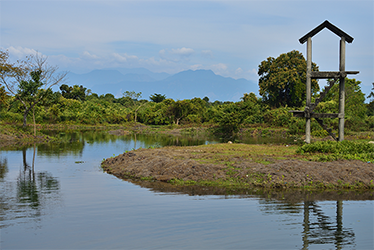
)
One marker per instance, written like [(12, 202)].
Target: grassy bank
[(238, 166)]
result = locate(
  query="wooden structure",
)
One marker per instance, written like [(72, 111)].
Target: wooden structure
[(335, 75)]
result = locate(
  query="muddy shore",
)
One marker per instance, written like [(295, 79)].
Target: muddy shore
[(221, 164)]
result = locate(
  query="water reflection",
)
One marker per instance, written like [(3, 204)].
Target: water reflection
[(33, 193), (73, 143), (3, 168), (318, 228)]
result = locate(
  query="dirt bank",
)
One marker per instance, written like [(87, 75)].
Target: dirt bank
[(239, 165)]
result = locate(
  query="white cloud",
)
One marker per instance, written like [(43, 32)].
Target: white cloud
[(207, 54), (219, 69), (196, 66), (238, 71), (162, 53), (182, 51), (252, 71), (20, 52), (176, 55), (88, 55), (125, 57)]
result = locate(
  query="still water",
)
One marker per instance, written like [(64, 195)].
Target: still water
[(67, 202)]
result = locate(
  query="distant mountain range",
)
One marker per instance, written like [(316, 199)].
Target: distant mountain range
[(183, 85)]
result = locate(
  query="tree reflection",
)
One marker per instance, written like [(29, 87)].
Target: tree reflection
[(74, 142), (71, 143), (3, 204), (3, 168), (34, 189)]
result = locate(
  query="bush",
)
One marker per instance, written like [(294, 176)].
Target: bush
[(349, 147), (278, 117), (11, 117)]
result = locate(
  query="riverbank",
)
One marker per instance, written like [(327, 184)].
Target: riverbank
[(15, 135), (240, 166)]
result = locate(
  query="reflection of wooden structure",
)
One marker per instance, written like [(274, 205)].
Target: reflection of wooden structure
[(322, 231), (336, 75)]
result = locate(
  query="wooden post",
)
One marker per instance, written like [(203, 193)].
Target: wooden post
[(341, 89), (308, 88)]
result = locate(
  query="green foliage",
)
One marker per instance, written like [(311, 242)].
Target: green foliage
[(156, 113), (28, 90), (344, 147), (278, 117), (26, 79), (135, 103), (348, 150), (230, 117), (179, 111), (76, 92), (355, 107), (282, 80), (133, 95), (157, 98), (4, 98), (370, 106)]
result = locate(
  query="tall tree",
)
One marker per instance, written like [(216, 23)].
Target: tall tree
[(282, 80), (29, 80), (73, 92), (157, 98), (133, 96), (179, 110)]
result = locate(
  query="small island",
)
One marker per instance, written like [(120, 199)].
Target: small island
[(241, 166)]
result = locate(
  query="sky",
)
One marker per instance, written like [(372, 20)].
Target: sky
[(231, 38)]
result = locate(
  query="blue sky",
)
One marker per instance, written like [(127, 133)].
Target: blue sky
[(229, 37)]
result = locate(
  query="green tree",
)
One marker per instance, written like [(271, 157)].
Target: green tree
[(8, 72), (136, 104), (179, 110), (370, 106), (157, 98), (26, 80), (73, 92), (29, 93), (232, 116), (4, 98), (282, 80), (354, 98), (355, 108)]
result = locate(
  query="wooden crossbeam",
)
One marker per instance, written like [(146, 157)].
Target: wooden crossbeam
[(299, 113), (331, 74)]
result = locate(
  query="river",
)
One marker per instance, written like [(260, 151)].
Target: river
[(65, 201)]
